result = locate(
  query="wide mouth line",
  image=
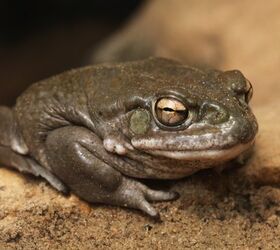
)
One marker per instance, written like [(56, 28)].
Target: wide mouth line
[(214, 149), (203, 143), (225, 154)]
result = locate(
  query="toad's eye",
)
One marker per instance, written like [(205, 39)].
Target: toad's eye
[(249, 91), (170, 112)]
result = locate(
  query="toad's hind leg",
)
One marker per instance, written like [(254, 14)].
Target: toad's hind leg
[(77, 156), (83, 171), (14, 152)]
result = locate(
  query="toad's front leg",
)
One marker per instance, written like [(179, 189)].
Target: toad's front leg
[(77, 156)]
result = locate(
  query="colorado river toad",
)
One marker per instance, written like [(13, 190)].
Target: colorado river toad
[(99, 130)]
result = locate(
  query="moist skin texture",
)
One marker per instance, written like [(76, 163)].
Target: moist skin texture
[(98, 130)]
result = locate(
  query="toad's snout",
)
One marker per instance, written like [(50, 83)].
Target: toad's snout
[(245, 129), (243, 123)]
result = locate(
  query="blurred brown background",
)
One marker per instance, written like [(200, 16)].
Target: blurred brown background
[(39, 39), (42, 38)]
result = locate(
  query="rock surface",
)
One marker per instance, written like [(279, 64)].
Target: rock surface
[(264, 167)]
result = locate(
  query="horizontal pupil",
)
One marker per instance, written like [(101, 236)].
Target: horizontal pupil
[(168, 109), (182, 112)]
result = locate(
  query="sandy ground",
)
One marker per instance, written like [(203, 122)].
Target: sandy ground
[(236, 209), (214, 212)]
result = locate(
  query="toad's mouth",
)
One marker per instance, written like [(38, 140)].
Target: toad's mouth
[(204, 155), (200, 142)]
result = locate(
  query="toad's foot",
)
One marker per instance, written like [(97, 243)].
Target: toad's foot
[(134, 194)]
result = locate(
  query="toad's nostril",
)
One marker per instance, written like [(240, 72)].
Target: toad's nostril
[(213, 113)]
